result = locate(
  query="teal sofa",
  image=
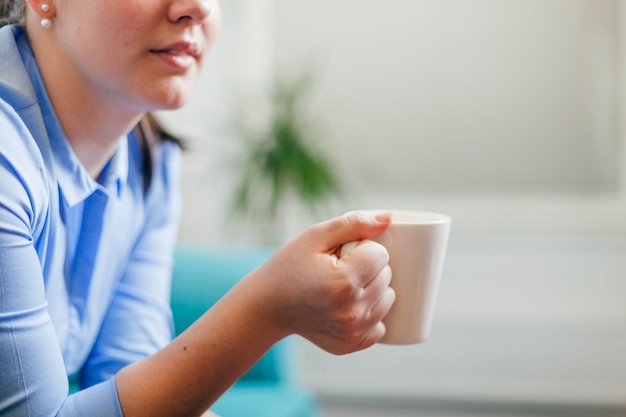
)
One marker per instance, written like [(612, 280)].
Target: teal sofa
[(269, 389)]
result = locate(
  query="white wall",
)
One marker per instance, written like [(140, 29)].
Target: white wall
[(471, 107), (504, 114), (527, 89)]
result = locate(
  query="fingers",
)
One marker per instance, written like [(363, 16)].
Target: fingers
[(381, 296), (335, 300), (364, 259), (377, 298), (376, 287), (376, 330), (383, 305), (377, 333), (351, 226), (376, 293), (346, 248)]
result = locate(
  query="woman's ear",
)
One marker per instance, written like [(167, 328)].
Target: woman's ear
[(43, 8)]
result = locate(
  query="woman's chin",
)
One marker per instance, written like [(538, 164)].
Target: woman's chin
[(169, 103), (173, 106), (171, 96)]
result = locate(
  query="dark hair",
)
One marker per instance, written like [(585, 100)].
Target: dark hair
[(149, 131), (161, 132), (12, 12)]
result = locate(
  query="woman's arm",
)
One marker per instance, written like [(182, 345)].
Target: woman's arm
[(34, 380), (303, 289)]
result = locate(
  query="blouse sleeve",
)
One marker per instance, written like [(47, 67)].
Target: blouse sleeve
[(33, 380)]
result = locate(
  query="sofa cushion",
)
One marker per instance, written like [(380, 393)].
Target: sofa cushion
[(266, 400)]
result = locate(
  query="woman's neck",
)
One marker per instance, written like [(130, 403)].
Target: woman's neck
[(92, 124)]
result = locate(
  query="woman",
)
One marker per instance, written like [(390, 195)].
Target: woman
[(88, 216)]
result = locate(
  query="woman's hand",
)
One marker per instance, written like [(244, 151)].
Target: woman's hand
[(335, 302), (304, 288)]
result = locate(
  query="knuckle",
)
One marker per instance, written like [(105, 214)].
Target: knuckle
[(346, 221), (344, 290), (387, 274), (381, 253), (352, 339), (347, 292), (376, 253), (354, 217), (350, 319)]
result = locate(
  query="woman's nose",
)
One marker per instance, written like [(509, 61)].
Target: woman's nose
[(194, 10)]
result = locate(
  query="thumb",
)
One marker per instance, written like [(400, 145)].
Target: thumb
[(355, 225)]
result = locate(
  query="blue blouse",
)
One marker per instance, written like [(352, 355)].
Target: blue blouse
[(85, 265)]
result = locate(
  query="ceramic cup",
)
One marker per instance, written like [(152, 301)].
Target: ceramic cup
[(416, 242)]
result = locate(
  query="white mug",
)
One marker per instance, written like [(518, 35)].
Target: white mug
[(416, 242)]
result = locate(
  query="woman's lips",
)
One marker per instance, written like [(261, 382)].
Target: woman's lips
[(179, 55)]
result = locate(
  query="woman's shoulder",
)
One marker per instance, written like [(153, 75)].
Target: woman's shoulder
[(24, 178), (16, 139), (16, 89), (23, 173), (20, 116)]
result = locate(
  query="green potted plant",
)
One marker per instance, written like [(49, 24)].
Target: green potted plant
[(280, 160)]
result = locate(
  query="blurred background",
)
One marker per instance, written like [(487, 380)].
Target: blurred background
[(507, 115)]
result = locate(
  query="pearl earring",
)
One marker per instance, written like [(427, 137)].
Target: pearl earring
[(45, 22)]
